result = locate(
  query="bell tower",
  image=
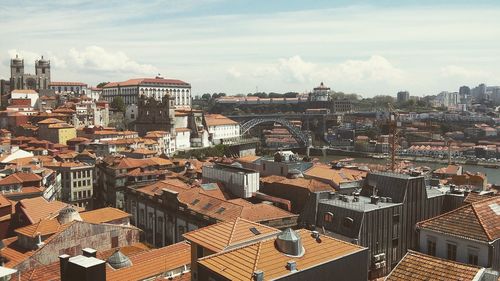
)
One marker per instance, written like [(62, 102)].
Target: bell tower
[(42, 72), (16, 73)]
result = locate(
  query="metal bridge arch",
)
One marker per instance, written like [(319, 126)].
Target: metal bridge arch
[(298, 134)]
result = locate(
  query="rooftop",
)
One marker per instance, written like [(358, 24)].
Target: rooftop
[(478, 221), (241, 263), (419, 267), (221, 236)]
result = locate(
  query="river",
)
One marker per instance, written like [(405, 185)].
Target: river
[(492, 174)]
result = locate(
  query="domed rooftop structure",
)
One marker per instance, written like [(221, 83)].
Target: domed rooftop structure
[(118, 260), (68, 214), (289, 243)]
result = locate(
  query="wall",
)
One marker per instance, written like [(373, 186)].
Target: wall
[(241, 184), (463, 247)]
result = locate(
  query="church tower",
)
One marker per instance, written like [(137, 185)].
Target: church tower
[(16, 73), (42, 72)]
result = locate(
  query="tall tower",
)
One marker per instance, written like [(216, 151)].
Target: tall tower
[(42, 72), (16, 73)]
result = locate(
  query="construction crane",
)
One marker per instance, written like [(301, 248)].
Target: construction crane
[(393, 131)]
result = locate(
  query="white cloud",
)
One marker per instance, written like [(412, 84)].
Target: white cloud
[(233, 73), (94, 58), (297, 70)]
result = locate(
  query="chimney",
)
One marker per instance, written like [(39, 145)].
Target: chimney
[(63, 264), (89, 252), (315, 234), (291, 265), (374, 199), (39, 243), (258, 275)]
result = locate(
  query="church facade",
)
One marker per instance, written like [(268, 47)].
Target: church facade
[(19, 80)]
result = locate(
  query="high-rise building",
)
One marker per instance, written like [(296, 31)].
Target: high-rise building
[(403, 96), (464, 94)]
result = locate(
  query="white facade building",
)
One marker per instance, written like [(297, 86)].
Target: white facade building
[(156, 88), (32, 95), (182, 138), (238, 180), (468, 234), (220, 128)]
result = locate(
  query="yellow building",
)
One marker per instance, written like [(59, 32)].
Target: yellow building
[(55, 130)]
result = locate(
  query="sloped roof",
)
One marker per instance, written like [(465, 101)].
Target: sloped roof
[(474, 197), (218, 119), (219, 237), (38, 208), (103, 215), (19, 178), (479, 221), (241, 263), (333, 175), (310, 184), (419, 267), (143, 81)]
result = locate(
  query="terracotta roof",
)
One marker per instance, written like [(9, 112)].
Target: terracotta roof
[(182, 130), (44, 227), (152, 263), (310, 184), (170, 184), (479, 221), (67, 84), (248, 159), (224, 210), (50, 121), (13, 253), (474, 197), (103, 215), (33, 92), (4, 201), (140, 81), (333, 175), (129, 163), (67, 164), (241, 263), (219, 237), (218, 119), (449, 170), (38, 208), (419, 267), (19, 178)]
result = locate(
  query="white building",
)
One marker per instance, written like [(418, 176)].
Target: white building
[(321, 93), (157, 88), (70, 87), (468, 234), (32, 95), (220, 128), (238, 180), (166, 144), (182, 138), (448, 99)]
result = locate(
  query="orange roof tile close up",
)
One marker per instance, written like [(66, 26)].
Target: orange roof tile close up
[(419, 267)]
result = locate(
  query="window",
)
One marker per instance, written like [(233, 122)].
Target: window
[(431, 247), (114, 241), (328, 217), (348, 222), (451, 251), (473, 256)]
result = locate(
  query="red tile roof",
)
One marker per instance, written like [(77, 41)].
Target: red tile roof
[(419, 267), (143, 81), (20, 178), (479, 221)]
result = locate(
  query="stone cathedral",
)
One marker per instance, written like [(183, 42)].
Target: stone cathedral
[(24, 81)]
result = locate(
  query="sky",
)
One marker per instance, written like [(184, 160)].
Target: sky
[(242, 46)]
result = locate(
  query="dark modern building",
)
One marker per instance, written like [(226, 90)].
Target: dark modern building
[(381, 216)]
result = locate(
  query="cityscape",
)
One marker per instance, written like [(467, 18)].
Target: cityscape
[(216, 140)]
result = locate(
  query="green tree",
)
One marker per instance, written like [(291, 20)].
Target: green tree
[(100, 85), (118, 104), (206, 96)]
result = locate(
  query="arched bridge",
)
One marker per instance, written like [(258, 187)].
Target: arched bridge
[(301, 137)]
